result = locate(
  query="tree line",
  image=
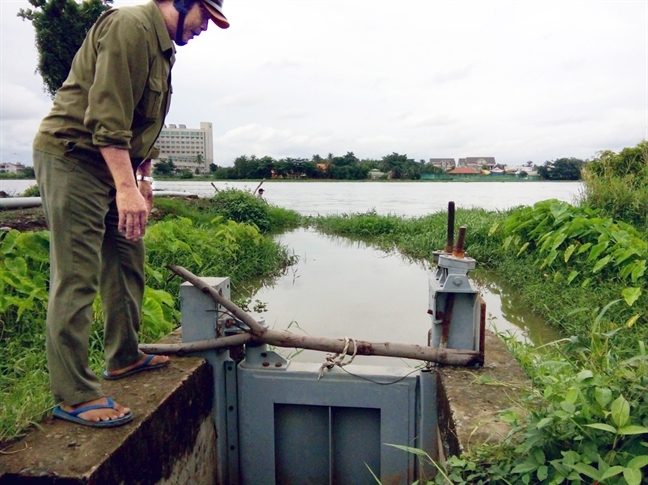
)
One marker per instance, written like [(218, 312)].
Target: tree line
[(394, 166)]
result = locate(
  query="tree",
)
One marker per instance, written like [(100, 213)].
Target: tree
[(164, 167), (61, 26), (561, 169)]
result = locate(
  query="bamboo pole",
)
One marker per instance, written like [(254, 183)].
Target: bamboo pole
[(291, 340)]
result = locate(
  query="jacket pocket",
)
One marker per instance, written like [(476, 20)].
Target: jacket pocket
[(151, 106)]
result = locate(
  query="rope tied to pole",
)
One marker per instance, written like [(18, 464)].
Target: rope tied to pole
[(331, 360)]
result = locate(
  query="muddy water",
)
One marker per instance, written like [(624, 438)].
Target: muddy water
[(344, 288)]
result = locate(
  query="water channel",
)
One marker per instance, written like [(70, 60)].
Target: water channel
[(345, 288)]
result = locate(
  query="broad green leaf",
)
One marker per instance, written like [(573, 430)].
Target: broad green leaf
[(603, 396), (582, 375), (549, 259), (600, 263), (639, 270), (543, 473), (586, 282), (630, 295), (544, 422), (588, 470), (597, 250), (638, 462), (507, 242), (632, 429), (524, 468), (572, 394), (602, 426), (612, 471), (558, 240), (568, 407), (632, 476), (584, 248), (571, 276), (523, 248), (569, 251), (620, 412)]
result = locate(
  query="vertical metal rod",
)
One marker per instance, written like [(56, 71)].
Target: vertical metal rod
[(451, 222), (459, 248), (330, 433)]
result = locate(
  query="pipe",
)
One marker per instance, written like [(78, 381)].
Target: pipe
[(19, 202)]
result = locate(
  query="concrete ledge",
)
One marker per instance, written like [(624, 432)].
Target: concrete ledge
[(171, 438), (470, 399)]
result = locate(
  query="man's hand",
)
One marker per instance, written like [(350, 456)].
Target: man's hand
[(133, 213), (131, 205)]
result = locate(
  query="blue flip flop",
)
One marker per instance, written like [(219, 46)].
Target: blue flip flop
[(73, 416), (143, 366)]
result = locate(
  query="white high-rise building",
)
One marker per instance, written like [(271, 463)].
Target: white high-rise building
[(189, 148)]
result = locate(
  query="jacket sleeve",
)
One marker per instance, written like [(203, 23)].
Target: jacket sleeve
[(120, 78)]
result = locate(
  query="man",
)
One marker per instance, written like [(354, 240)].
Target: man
[(92, 158), (260, 194)]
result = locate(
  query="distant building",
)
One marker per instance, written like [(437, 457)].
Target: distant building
[(464, 171), (189, 148), (443, 163), (375, 174), (477, 162), (11, 167)]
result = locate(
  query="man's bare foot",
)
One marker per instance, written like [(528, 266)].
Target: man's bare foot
[(145, 363), (96, 415)]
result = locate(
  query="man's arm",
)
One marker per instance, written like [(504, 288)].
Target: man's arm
[(132, 207)]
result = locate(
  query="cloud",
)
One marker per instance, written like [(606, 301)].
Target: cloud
[(283, 64), (293, 114), (246, 98), (19, 103), (455, 74)]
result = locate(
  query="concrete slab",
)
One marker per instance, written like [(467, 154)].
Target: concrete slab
[(472, 398), (170, 439)]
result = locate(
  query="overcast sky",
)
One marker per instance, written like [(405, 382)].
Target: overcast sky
[(515, 80)]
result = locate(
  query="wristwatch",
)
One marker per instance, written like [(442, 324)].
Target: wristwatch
[(144, 178)]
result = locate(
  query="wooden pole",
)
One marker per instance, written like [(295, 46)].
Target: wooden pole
[(260, 183), (291, 340)]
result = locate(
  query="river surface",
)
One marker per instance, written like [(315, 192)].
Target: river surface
[(344, 288)]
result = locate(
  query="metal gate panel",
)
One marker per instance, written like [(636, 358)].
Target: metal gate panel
[(387, 411)]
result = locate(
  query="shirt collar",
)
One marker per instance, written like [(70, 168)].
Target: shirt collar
[(166, 44)]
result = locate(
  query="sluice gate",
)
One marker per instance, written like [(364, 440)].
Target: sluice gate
[(282, 422)]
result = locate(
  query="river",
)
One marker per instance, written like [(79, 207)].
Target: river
[(344, 288)]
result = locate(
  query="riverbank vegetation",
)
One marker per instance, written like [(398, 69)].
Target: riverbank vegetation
[(584, 269), (227, 235)]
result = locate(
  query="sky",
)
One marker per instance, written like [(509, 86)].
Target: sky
[(516, 80)]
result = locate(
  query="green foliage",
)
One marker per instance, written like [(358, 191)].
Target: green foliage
[(224, 248), (241, 206), (164, 167), (561, 169), (416, 237), (32, 191), (617, 184), (579, 245), (61, 26)]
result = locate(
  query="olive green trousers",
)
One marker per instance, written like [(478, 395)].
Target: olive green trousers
[(87, 255)]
